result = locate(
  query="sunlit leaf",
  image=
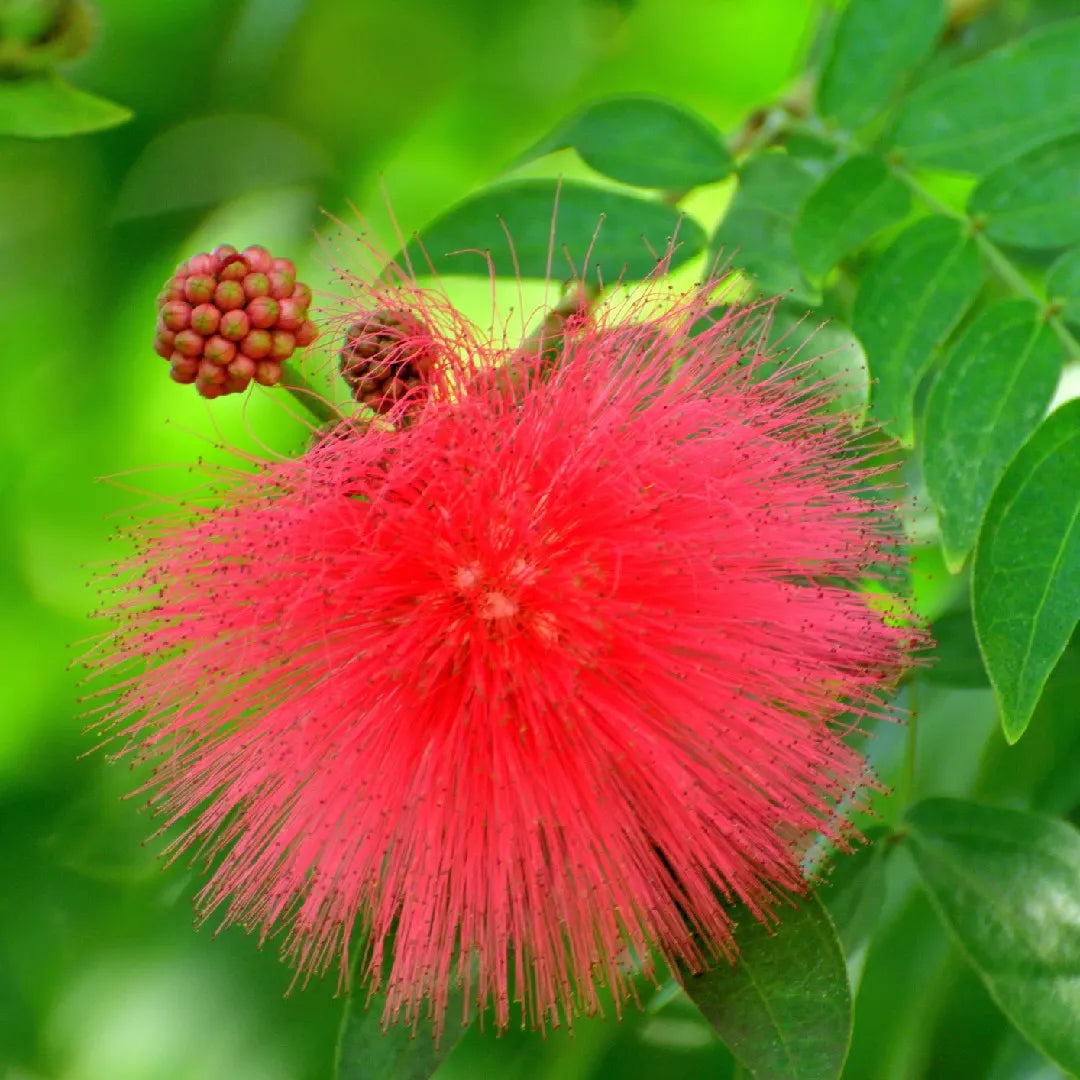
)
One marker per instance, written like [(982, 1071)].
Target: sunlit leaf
[(1026, 574), (755, 233), (47, 107), (645, 141), (990, 393), (204, 162), (877, 44), (1007, 884), (784, 1010), (986, 112), (1033, 201), (911, 297), (853, 203), (613, 234)]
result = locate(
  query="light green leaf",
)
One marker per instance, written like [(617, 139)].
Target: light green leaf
[(204, 162), (755, 234), (367, 1051), (1034, 201), (616, 234), (48, 107), (911, 297), (784, 1010), (1007, 884), (1063, 285), (956, 660), (986, 112), (642, 140), (878, 43), (990, 393), (837, 355), (853, 203), (1026, 576)]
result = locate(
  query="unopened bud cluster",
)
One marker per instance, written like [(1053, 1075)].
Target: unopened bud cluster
[(230, 317), (384, 359)]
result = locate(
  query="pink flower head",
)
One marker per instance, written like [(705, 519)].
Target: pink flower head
[(554, 671)]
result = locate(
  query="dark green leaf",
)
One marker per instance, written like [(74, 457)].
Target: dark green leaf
[(1063, 285), (1007, 884), (47, 107), (368, 1052), (1026, 576), (203, 162), (617, 235), (784, 1009), (858, 199), (645, 141), (803, 335), (1034, 201), (878, 43), (956, 660), (755, 234), (992, 390), (986, 112), (911, 297), (854, 894)]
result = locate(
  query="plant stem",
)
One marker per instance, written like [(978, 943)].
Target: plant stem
[(297, 385)]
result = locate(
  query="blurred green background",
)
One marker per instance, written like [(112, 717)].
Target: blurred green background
[(318, 105)]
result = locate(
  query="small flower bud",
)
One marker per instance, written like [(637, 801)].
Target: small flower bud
[(282, 345), (163, 343), (262, 312), (290, 315), (229, 295), (224, 253), (243, 367), (281, 284), (268, 372), (258, 258), (302, 293), (285, 266), (207, 389), (176, 315), (203, 264), (204, 319), (256, 284), (236, 270), (183, 369), (188, 343), (234, 325), (306, 333), (173, 290), (219, 350), (199, 289), (257, 344), (211, 372)]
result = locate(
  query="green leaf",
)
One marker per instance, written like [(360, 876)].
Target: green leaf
[(956, 660), (784, 1010), (1034, 201), (616, 234), (47, 107), (204, 162), (1007, 884), (985, 113), (368, 1052), (1026, 576), (877, 44), (1063, 285), (801, 335), (642, 140), (911, 297), (853, 203), (990, 393), (755, 234)]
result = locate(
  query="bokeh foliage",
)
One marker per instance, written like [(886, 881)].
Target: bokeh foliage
[(907, 169)]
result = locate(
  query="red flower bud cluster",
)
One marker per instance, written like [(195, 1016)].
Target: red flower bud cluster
[(385, 357), (232, 316)]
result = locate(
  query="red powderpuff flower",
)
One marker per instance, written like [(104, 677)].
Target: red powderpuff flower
[(554, 671)]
